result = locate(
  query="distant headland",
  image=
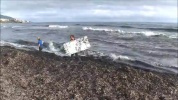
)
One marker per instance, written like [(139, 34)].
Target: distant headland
[(7, 19)]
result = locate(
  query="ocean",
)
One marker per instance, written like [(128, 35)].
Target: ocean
[(148, 45)]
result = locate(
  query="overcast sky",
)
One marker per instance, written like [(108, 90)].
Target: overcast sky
[(91, 10)]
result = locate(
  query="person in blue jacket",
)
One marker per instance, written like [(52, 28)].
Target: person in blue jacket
[(40, 44)]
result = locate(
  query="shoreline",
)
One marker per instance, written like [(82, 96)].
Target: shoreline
[(34, 75)]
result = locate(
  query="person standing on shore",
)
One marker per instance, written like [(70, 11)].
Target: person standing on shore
[(40, 44), (72, 38)]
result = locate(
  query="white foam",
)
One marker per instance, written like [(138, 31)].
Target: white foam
[(101, 29), (146, 33), (40, 27), (4, 43), (3, 26), (115, 57), (51, 47), (57, 26), (173, 36), (17, 27), (95, 53), (169, 62), (150, 33)]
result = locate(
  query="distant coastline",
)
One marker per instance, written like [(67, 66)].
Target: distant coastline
[(7, 19)]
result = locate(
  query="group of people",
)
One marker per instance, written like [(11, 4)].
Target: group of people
[(40, 44)]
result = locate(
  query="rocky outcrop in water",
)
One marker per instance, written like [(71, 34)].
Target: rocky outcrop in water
[(30, 75)]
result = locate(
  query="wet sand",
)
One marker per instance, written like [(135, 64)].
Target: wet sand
[(30, 75)]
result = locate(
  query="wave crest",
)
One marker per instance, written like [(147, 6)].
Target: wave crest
[(145, 33), (115, 57), (150, 33), (101, 29), (57, 26)]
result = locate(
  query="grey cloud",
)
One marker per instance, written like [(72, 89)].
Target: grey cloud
[(83, 10)]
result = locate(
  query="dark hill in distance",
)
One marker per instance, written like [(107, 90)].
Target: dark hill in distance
[(5, 17)]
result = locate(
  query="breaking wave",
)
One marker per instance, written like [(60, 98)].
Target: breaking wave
[(101, 29), (57, 26), (162, 29), (145, 33), (115, 57), (150, 33), (17, 45), (17, 27), (40, 27), (174, 36), (55, 48)]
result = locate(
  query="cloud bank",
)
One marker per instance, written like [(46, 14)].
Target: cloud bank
[(92, 10)]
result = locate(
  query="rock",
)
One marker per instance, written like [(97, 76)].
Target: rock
[(6, 62), (23, 82)]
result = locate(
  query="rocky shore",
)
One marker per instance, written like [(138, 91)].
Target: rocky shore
[(7, 19), (13, 21), (30, 75)]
